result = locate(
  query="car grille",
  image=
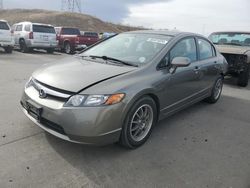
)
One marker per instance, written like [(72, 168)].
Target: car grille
[(50, 92), (51, 125)]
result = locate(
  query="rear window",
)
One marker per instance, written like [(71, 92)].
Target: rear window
[(43, 29), (70, 31), (4, 26), (90, 34)]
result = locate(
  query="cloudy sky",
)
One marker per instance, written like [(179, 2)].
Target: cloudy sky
[(202, 16)]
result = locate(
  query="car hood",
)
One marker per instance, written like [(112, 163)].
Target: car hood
[(229, 49), (75, 74)]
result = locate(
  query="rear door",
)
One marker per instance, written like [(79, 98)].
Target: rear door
[(207, 65), (44, 34), (5, 32)]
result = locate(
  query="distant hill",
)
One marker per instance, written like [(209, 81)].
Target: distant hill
[(83, 21)]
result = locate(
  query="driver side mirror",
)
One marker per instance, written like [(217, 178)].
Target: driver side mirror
[(179, 62)]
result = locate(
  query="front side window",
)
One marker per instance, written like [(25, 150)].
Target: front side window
[(205, 49), (4, 26), (136, 48), (184, 48)]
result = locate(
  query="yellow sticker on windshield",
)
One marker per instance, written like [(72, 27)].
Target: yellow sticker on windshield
[(160, 41)]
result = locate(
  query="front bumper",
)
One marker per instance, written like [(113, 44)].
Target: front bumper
[(87, 125)]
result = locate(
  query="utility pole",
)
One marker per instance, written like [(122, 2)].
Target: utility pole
[(1, 4), (71, 5)]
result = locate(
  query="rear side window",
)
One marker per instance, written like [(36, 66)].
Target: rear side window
[(184, 48), (27, 27), (90, 34), (43, 29), (4, 26), (70, 31), (19, 27), (206, 49)]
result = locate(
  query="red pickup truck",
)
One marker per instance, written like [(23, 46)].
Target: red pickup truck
[(70, 39)]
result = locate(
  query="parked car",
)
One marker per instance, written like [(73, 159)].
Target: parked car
[(90, 37), (29, 36), (106, 35), (6, 37), (70, 39), (118, 89), (235, 46)]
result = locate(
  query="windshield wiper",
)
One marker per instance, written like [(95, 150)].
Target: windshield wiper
[(106, 58)]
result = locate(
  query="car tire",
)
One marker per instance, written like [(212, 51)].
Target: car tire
[(50, 50), (23, 47), (216, 91), (139, 122), (244, 77), (8, 49), (67, 48)]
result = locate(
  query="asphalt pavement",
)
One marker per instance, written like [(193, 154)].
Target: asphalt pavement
[(204, 146)]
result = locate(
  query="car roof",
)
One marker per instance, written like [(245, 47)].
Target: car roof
[(219, 32), (164, 32), (60, 27), (33, 23), (3, 21)]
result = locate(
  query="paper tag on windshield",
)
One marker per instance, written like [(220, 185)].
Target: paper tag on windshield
[(160, 41)]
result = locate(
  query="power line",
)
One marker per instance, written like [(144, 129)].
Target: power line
[(71, 5)]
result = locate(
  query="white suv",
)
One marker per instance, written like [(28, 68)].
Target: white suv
[(29, 36), (6, 37)]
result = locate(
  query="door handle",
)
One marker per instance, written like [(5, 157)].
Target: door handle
[(196, 70)]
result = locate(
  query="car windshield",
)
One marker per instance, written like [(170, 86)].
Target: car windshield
[(4, 26), (138, 49), (239, 39), (70, 31), (43, 29)]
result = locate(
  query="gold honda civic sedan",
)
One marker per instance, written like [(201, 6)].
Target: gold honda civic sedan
[(118, 89)]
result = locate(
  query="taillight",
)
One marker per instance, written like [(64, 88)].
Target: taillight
[(31, 36)]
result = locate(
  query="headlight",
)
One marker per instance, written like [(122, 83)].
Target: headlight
[(94, 100)]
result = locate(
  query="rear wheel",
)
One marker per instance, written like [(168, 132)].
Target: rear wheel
[(67, 48), (139, 122), (8, 49), (23, 46), (244, 77), (50, 50), (216, 91)]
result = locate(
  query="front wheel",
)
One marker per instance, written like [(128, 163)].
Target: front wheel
[(8, 49), (244, 77), (50, 50), (216, 91), (139, 122)]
